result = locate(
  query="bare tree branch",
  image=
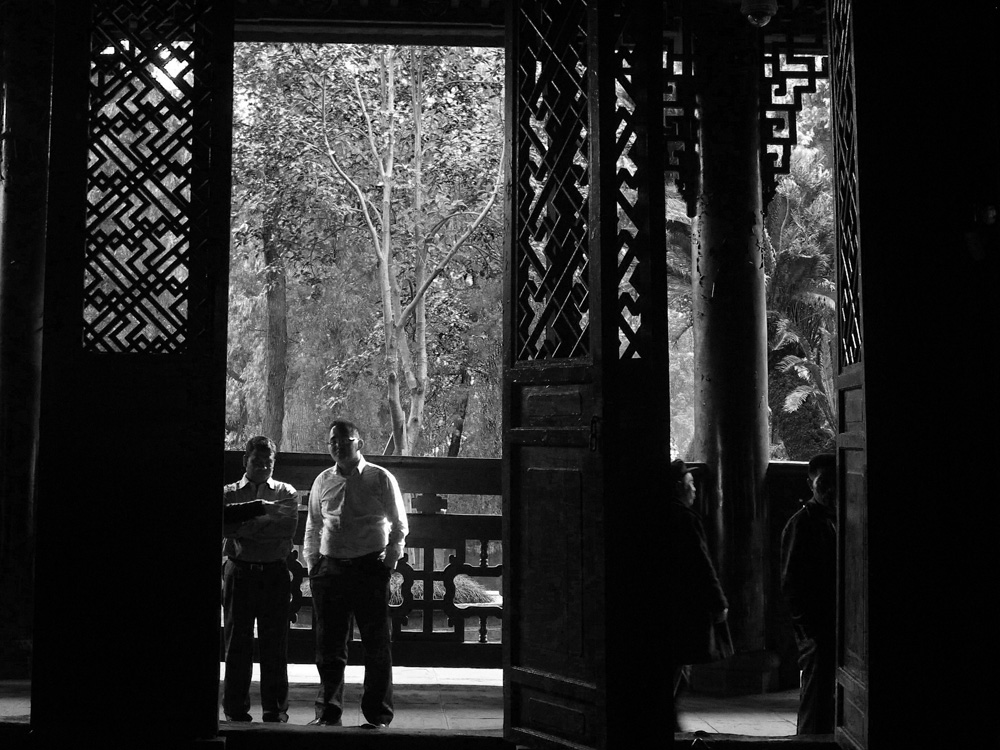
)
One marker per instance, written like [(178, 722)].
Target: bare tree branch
[(439, 268), (371, 128), (332, 157)]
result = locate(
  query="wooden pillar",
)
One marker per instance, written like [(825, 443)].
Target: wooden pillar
[(26, 44), (729, 312)]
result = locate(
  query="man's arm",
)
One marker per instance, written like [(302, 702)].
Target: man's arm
[(237, 513), (244, 510), (314, 528), (704, 569), (395, 512), (795, 571), (280, 522)]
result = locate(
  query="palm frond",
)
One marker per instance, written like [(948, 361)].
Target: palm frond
[(798, 396), (793, 362), (818, 299)]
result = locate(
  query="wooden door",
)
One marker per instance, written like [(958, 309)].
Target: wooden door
[(585, 389), (852, 509), (133, 376)]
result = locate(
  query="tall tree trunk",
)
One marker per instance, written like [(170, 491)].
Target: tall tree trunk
[(387, 272), (276, 348), (416, 372), (458, 423)]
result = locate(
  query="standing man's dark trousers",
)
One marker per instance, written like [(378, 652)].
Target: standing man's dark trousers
[(817, 660), (341, 588), (256, 591)]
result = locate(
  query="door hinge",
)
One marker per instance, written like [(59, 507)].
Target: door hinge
[(595, 432)]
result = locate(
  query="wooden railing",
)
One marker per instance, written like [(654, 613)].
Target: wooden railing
[(431, 627)]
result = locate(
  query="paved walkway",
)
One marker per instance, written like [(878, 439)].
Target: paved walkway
[(424, 697), (471, 700), (769, 715)]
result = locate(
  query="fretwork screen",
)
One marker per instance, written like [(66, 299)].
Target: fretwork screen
[(639, 124), (794, 60), (845, 135), (146, 175), (550, 190)]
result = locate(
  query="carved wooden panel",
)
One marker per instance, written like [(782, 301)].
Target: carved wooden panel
[(851, 725), (680, 121), (794, 58), (640, 240), (846, 186), (550, 182), (147, 175), (854, 547), (548, 605)]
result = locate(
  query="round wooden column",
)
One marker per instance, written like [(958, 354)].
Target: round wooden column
[(26, 45), (729, 314)]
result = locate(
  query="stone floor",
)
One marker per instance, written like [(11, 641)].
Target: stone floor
[(768, 715), (471, 700), (424, 697)]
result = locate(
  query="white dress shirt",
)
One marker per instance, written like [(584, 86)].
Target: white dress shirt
[(355, 515)]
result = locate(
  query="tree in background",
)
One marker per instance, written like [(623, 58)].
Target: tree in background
[(433, 150), (289, 197), (406, 166), (279, 230), (680, 324), (801, 292)]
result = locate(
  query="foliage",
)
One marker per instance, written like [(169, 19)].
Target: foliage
[(467, 590), (288, 192), (800, 299), (801, 291), (680, 324), (291, 100)]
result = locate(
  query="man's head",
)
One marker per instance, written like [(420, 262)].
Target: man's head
[(681, 482), (345, 443), (258, 460), (823, 478)]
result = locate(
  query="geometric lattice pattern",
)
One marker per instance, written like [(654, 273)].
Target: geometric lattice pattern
[(146, 128), (846, 151), (794, 58), (680, 121), (549, 191), (638, 124), (630, 226)]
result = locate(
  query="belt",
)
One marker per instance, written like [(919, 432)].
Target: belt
[(354, 560), (257, 565)]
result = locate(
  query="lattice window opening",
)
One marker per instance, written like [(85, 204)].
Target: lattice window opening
[(848, 251), (552, 316), (137, 257), (674, 111), (558, 300), (787, 79), (627, 198), (680, 121)]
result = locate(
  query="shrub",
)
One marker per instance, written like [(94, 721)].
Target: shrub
[(467, 590)]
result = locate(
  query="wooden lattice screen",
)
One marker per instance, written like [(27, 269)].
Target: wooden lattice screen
[(550, 206), (680, 123), (147, 175), (640, 240), (794, 59), (847, 226), (552, 211)]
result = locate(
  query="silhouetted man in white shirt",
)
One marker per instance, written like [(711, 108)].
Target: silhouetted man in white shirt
[(355, 531)]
